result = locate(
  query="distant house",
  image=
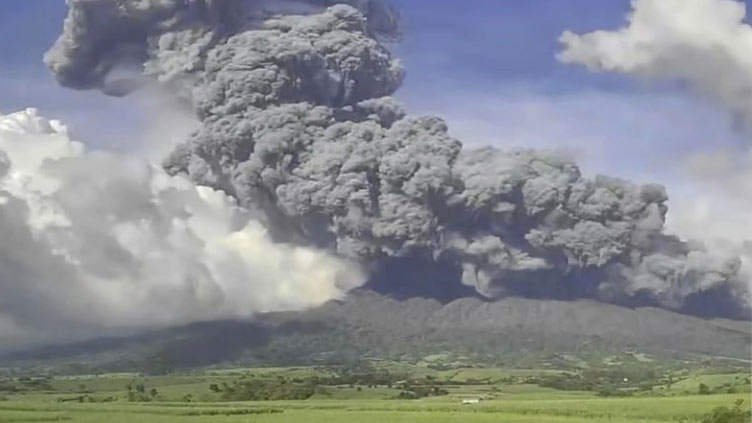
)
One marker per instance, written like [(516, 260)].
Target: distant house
[(471, 401)]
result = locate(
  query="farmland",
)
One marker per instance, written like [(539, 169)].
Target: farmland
[(379, 392)]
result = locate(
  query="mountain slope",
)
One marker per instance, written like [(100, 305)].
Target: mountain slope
[(516, 323), (368, 324)]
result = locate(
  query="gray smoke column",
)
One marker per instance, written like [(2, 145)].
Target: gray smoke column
[(298, 125)]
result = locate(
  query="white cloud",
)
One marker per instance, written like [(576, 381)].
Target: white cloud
[(97, 243), (718, 210), (705, 43)]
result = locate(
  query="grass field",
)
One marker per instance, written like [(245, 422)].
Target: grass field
[(505, 395), (571, 410)]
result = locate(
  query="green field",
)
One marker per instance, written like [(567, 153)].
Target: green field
[(504, 395), (575, 409)]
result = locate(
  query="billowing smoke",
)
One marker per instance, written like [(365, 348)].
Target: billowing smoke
[(100, 244), (298, 126), (104, 39)]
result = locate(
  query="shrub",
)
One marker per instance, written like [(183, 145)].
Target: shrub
[(703, 389), (728, 415), (260, 390)]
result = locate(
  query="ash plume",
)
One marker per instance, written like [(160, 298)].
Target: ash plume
[(297, 125)]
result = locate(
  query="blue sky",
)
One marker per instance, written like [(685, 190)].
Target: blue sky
[(494, 41), (487, 66)]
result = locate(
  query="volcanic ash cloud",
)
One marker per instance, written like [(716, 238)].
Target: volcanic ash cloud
[(298, 126)]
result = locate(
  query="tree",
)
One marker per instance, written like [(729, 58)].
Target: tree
[(703, 389), (728, 415)]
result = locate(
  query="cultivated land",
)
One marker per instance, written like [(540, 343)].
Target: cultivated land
[(439, 388)]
